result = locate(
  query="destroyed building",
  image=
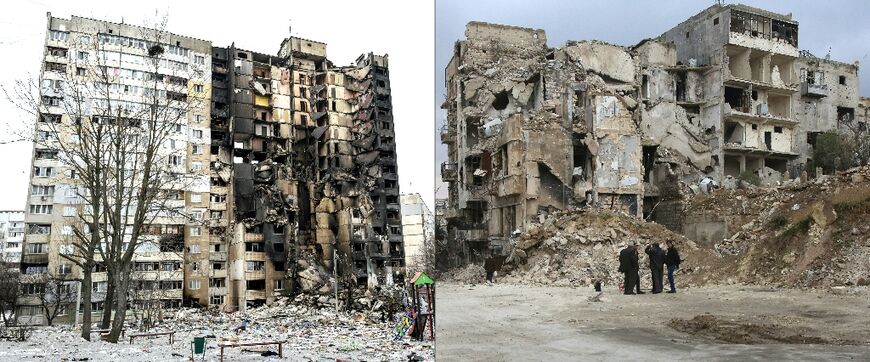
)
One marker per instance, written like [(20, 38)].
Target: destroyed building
[(532, 129), (296, 158)]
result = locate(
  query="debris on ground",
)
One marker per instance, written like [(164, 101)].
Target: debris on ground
[(734, 331), (308, 324), (581, 247), (801, 234), (469, 274)]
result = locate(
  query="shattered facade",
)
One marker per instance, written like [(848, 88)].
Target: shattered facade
[(765, 99), (298, 168), (532, 129)]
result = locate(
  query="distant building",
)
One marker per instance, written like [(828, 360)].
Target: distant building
[(418, 230), (11, 236)]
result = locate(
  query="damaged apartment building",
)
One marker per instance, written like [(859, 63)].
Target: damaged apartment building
[(296, 158), (532, 129)]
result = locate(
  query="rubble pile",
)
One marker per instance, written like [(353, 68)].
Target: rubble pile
[(800, 234), (309, 325), (469, 274), (581, 247)]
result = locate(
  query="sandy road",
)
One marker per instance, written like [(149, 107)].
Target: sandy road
[(513, 322)]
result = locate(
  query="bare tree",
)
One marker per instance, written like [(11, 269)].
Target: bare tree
[(57, 296), (855, 136), (119, 153), (10, 290)]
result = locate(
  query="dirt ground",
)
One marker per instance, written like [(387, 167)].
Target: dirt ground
[(518, 322)]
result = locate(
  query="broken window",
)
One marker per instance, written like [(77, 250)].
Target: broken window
[(842, 80), (392, 215), (845, 114), (737, 99), (49, 118), (681, 87), (52, 101), (501, 101), (55, 67), (644, 89), (255, 247), (474, 167), (649, 157)]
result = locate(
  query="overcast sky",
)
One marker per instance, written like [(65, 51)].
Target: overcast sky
[(402, 29), (840, 27)]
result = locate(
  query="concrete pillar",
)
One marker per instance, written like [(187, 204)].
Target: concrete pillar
[(742, 163)]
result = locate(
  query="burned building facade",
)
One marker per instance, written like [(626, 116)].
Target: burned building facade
[(294, 160), (309, 154), (532, 129)]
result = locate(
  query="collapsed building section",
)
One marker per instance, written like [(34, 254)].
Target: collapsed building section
[(532, 129), (309, 151)]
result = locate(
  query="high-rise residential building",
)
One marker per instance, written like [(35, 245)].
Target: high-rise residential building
[(289, 163)]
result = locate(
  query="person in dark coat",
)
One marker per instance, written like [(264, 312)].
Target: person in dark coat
[(637, 268), (656, 265), (628, 266), (672, 260)]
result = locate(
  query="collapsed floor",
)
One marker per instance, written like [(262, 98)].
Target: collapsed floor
[(308, 324), (809, 234)]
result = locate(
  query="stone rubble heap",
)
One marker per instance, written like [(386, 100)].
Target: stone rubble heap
[(581, 247), (800, 234)]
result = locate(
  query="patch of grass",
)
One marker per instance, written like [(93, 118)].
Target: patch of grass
[(750, 177), (799, 228), (851, 207), (777, 221)]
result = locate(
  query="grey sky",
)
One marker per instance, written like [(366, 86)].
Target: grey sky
[(838, 26), (348, 27)]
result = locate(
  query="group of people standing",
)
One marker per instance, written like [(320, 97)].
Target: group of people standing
[(629, 265)]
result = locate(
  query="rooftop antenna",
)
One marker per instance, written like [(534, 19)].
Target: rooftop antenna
[(290, 27)]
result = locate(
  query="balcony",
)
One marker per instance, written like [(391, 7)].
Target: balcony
[(814, 90), (217, 256), (452, 213), (34, 258), (255, 274), (253, 237), (763, 118), (472, 234), (756, 84), (511, 185), (448, 172), (448, 134), (255, 294)]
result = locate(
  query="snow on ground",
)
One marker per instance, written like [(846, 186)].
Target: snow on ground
[(311, 334)]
